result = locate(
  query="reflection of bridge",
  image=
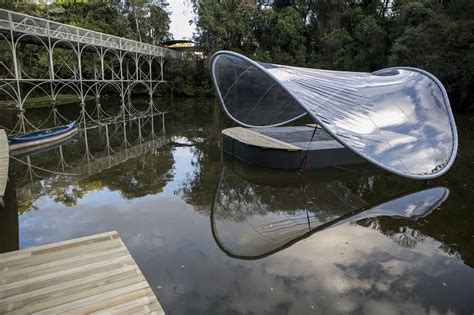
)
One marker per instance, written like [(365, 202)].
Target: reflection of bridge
[(110, 160), (79, 61), (96, 155)]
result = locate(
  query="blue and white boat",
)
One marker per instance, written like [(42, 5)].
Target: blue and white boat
[(42, 136)]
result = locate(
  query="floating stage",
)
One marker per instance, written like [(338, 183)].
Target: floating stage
[(93, 274), (290, 148), (398, 118)]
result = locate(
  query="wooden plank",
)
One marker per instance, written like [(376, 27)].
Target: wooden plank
[(80, 290), (4, 161), (90, 274), (96, 302), (254, 138), (27, 260), (65, 302), (133, 305), (47, 277), (58, 265), (15, 301), (87, 240)]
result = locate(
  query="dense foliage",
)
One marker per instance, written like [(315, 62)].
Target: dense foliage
[(356, 35), (143, 20)]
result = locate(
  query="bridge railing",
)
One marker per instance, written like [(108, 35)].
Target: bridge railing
[(34, 26)]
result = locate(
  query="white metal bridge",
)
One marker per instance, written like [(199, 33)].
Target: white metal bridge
[(79, 61)]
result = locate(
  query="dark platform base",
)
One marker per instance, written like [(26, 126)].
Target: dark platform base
[(323, 151)]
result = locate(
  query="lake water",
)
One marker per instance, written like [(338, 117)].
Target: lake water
[(213, 235)]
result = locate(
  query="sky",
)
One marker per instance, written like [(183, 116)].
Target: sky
[(181, 14)]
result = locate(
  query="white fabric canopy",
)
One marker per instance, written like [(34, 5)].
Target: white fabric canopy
[(397, 118)]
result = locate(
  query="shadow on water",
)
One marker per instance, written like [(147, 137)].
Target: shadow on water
[(214, 235)]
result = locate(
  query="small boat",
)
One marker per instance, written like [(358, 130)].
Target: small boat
[(44, 147), (42, 136)]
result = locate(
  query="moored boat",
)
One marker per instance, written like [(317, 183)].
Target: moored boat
[(42, 136)]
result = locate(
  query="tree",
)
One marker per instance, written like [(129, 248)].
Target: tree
[(433, 41), (159, 22)]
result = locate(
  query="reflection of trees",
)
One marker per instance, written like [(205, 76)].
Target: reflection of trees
[(236, 198), (404, 233), (198, 190), (204, 135), (69, 195), (134, 178), (138, 177)]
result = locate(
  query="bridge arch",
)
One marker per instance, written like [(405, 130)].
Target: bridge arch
[(35, 87), (71, 85), (62, 63), (91, 62), (157, 68), (112, 60), (40, 67)]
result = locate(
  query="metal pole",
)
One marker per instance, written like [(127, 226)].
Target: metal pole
[(97, 97), (150, 79), (51, 67), (79, 65), (162, 61), (122, 90), (16, 67), (107, 138)]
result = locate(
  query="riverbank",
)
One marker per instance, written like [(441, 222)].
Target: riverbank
[(44, 101)]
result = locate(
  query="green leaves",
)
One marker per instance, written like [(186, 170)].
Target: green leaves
[(349, 35)]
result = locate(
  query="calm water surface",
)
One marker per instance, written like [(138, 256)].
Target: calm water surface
[(213, 235)]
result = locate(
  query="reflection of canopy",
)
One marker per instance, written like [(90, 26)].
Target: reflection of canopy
[(251, 221), (397, 118)]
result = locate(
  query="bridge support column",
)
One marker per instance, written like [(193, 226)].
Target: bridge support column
[(79, 71), (55, 114), (17, 72)]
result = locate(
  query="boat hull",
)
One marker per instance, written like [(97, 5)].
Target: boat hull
[(47, 139)]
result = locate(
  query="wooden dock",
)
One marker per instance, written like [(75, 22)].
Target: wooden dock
[(251, 137), (4, 160), (93, 274)]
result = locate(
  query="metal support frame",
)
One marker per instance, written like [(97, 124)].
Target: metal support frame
[(110, 55)]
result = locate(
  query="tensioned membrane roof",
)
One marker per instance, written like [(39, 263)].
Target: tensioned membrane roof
[(397, 118)]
